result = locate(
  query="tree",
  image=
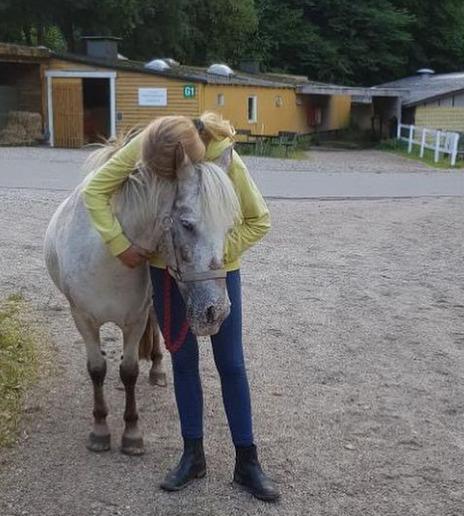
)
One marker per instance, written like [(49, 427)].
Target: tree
[(437, 34), (335, 40)]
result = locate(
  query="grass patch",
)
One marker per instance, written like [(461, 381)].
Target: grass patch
[(270, 151), (18, 364), (401, 148)]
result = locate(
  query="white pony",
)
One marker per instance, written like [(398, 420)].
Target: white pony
[(186, 221)]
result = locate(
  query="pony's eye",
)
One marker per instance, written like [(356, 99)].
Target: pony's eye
[(186, 224)]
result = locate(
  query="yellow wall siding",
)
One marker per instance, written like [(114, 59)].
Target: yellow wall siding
[(270, 120), (450, 118), (129, 113), (339, 111), (292, 115), (127, 85)]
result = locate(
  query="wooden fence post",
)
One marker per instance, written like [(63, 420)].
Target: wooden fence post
[(411, 132), (454, 151), (437, 146), (424, 132)]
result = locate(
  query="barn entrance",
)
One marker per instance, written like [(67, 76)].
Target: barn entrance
[(81, 107), (96, 99)]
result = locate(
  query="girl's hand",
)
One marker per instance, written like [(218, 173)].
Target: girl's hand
[(133, 257)]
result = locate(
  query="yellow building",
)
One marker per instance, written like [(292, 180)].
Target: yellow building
[(85, 97), (99, 94), (432, 100)]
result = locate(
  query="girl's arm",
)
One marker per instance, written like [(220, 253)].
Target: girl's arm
[(256, 220), (100, 188)]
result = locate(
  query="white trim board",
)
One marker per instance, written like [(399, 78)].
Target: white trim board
[(50, 74), (78, 73)]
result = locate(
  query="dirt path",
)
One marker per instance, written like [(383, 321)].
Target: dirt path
[(354, 332)]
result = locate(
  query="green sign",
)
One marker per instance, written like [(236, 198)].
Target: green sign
[(190, 91)]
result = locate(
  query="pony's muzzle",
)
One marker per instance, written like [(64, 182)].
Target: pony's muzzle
[(210, 320)]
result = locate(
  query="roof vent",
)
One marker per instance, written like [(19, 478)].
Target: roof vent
[(221, 69), (159, 65), (170, 61), (425, 72)]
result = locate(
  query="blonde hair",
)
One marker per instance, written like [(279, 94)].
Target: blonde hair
[(161, 139), (215, 127)]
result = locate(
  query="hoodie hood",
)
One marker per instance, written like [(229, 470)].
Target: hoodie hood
[(216, 148)]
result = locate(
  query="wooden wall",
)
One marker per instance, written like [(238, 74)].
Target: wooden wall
[(127, 85), (279, 109), (128, 113), (26, 79), (447, 118), (288, 113)]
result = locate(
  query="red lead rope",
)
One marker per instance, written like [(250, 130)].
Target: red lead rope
[(171, 346)]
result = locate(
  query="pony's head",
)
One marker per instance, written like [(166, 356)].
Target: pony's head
[(204, 209)]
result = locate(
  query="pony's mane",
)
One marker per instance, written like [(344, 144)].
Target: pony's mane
[(143, 195), (218, 198)]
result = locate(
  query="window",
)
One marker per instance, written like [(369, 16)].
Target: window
[(252, 109), (279, 101), (220, 99)]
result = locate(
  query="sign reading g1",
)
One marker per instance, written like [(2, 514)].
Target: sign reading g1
[(190, 91)]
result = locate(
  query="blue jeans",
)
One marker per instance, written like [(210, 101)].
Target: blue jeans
[(228, 357)]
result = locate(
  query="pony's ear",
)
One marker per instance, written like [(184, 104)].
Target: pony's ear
[(182, 159), (184, 168), (225, 159)]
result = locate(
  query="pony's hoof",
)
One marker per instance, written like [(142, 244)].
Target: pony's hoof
[(130, 446), (99, 443), (158, 378)]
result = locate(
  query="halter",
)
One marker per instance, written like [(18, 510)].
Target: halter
[(173, 268)]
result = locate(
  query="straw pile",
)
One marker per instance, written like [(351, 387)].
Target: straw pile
[(22, 128)]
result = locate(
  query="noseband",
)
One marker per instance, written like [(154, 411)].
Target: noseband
[(173, 268)]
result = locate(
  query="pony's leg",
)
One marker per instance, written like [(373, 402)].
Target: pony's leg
[(157, 372), (99, 439), (132, 440)]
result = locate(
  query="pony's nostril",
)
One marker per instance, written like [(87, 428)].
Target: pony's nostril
[(210, 314)]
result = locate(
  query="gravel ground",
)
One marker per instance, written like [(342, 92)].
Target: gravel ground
[(364, 161), (318, 161), (354, 336)]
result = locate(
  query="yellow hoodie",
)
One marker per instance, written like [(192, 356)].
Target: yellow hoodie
[(108, 179)]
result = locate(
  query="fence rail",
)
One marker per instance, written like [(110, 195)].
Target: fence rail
[(439, 141)]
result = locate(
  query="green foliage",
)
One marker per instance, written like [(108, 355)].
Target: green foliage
[(362, 42), (17, 365)]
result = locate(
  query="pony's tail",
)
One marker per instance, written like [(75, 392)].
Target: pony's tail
[(107, 149), (150, 337)]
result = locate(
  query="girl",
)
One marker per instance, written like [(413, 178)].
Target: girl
[(205, 138)]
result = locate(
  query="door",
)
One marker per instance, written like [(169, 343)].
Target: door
[(68, 112)]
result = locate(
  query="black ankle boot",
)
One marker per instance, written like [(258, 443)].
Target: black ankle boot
[(248, 474), (192, 465)]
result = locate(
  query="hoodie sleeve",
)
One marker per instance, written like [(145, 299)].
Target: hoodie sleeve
[(98, 191), (256, 220)]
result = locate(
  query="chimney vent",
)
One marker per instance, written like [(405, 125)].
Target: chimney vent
[(425, 72), (102, 47)]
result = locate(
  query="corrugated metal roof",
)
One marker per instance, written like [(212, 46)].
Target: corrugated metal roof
[(183, 72), (427, 87)]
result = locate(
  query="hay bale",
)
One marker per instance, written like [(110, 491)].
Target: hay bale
[(23, 128)]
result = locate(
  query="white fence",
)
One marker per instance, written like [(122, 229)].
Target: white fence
[(438, 141)]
